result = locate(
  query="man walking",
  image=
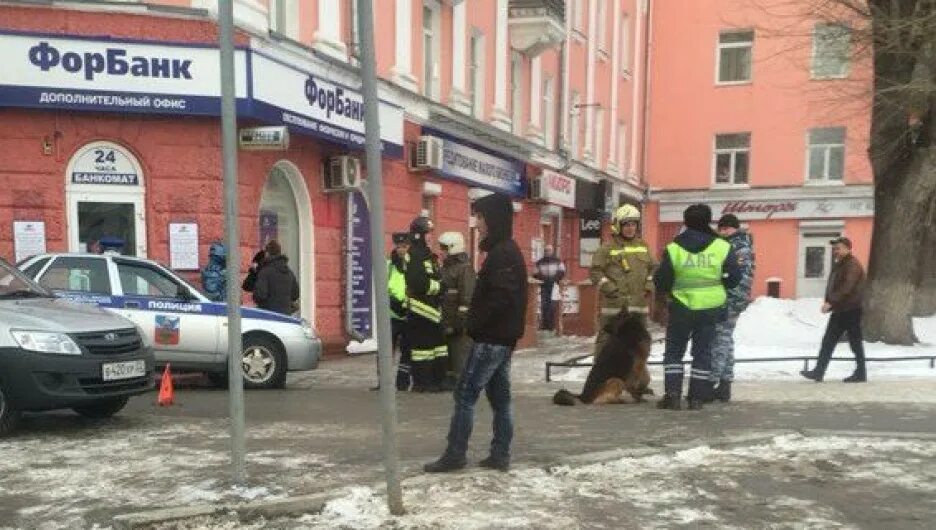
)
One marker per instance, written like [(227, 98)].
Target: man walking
[(458, 282), (729, 227), (550, 271), (424, 323), (843, 299), (495, 322), (696, 269)]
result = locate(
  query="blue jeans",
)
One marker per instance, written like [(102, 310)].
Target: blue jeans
[(488, 369)]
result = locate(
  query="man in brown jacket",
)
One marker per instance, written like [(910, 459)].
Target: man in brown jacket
[(843, 299)]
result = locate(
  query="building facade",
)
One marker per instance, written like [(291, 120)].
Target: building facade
[(112, 128)]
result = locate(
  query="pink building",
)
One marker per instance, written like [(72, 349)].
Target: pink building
[(112, 126), (759, 110)]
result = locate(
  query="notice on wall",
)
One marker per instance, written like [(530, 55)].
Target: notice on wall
[(183, 246), (28, 238), (589, 236), (570, 300)]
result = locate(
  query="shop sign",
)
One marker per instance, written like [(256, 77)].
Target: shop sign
[(359, 301), (104, 164), (558, 188), (479, 168), (589, 236), (755, 210), (309, 102), (76, 73)]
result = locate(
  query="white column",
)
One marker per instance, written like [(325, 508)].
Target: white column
[(500, 116), (637, 117), (589, 153), (328, 35), (403, 69), (458, 97), (535, 129), (615, 78)]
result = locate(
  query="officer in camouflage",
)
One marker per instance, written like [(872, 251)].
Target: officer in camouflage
[(623, 271)]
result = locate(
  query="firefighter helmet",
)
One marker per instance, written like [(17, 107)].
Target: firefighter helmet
[(454, 242), (624, 214)]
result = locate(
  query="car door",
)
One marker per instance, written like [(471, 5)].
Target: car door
[(183, 329)]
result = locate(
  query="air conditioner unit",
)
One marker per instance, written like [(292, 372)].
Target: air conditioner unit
[(537, 190), (428, 154), (342, 173)]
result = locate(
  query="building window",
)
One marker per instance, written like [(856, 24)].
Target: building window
[(732, 158), (826, 153), (476, 74), (549, 114), (573, 135), (602, 28), (625, 46), (831, 49), (516, 91), (430, 51), (599, 137), (734, 56)]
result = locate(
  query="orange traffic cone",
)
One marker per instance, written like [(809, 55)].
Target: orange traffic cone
[(166, 390)]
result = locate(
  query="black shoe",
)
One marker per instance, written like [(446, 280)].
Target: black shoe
[(695, 404), (810, 374), (723, 391), (856, 377), (445, 464), (670, 402), (499, 464)]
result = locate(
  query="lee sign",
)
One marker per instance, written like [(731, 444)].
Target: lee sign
[(558, 189)]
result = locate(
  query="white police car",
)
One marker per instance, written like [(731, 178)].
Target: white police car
[(185, 328)]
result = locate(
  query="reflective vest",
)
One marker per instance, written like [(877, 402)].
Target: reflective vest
[(698, 276), (396, 287)]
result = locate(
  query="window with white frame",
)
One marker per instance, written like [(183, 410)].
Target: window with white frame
[(282, 13), (599, 137), (732, 158), (831, 51), (826, 154), (573, 133), (476, 74), (735, 52), (622, 148), (430, 49), (549, 113), (625, 46), (602, 28), (516, 91)]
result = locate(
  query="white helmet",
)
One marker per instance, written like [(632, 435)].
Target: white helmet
[(624, 213), (454, 241)]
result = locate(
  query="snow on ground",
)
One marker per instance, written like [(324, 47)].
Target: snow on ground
[(774, 327), (790, 481)]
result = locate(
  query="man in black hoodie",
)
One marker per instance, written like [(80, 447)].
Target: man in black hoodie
[(495, 322), (276, 288), (696, 270)]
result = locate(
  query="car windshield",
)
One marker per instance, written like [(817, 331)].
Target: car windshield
[(15, 284)]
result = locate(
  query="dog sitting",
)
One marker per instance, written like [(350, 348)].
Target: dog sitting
[(620, 366)]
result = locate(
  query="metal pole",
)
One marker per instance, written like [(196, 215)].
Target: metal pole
[(232, 239), (388, 413)]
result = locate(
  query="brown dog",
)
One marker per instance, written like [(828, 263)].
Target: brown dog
[(620, 366)]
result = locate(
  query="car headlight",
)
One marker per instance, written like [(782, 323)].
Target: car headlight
[(307, 329), (45, 342)]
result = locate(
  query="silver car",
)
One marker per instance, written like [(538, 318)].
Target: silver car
[(187, 330)]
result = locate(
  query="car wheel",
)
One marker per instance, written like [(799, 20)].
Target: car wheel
[(104, 408), (264, 363), (9, 416)]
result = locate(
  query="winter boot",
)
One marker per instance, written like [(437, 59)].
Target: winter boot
[(811, 374), (723, 391), (857, 377), (670, 402), (491, 462), (445, 464)]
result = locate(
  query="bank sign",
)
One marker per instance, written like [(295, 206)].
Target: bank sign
[(480, 168), (95, 74)]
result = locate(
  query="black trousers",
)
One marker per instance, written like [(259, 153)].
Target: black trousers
[(546, 306), (699, 327), (840, 323)]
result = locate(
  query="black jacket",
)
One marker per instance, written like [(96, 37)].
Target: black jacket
[(276, 288), (695, 241), (498, 305)]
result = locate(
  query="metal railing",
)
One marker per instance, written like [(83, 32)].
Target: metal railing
[(573, 362)]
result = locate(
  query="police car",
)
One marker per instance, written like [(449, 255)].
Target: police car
[(185, 328)]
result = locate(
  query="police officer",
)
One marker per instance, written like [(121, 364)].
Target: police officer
[(458, 281), (399, 308), (696, 269), (623, 271), (424, 324)]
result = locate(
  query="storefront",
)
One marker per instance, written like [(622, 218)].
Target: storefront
[(791, 230)]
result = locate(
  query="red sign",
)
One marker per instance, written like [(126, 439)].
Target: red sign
[(559, 188)]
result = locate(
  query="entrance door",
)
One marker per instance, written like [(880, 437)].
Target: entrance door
[(815, 262)]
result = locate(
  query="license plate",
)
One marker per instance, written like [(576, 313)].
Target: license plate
[(124, 370)]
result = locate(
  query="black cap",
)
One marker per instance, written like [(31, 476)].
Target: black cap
[(400, 238), (843, 240), (698, 217), (729, 220)]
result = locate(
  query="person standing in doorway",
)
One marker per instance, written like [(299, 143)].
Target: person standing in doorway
[(549, 270), (697, 269), (424, 322), (213, 276), (458, 282), (495, 323), (739, 297), (843, 299), (277, 288)]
